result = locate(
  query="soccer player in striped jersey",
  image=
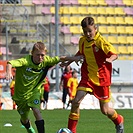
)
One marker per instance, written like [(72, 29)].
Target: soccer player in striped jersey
[(95, 74), (30, 73), (72, 86)]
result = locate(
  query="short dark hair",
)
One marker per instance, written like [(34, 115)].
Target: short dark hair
[(87, 21), (73, 72)]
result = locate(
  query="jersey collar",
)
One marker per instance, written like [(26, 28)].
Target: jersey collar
[(96, 36)]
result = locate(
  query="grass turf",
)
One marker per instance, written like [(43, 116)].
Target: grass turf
[(91, 121)]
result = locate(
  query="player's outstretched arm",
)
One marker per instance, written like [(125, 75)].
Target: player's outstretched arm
[(68, 60), (9, 71), (111, 58)]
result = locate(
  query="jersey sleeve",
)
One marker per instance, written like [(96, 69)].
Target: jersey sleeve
[(51, 61), (18, 62), (69, 83), (81, 43), (107, 47)]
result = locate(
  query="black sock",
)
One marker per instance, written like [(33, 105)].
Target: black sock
[(40, 126), (27, 125)]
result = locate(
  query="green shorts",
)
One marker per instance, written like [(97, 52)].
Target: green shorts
[(23, 107)]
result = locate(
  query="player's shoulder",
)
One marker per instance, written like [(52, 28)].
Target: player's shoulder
[(101, 39), (82, 38), (46, 56)]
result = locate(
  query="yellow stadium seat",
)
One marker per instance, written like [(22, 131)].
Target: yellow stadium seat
[(101, 20), (81, 30), (122, 50), (61, 10), (82, 10), (120, 29), (130, 49), (82, 17), (129, 29), (111, 29), (110, 10), (74, 20), (65, 10), (101, 2), (95, 19), (101, 11), (92, 2), (119, 11), (92, 10), (65, 20), (130, 39), (82, 2), (128, 20), (122, 39), (128, 2), (130, 57), (112, 39), (52, 10), (111, 20), (103, 29), (73, 10), (75, 29), (122, 57), (119, 20)]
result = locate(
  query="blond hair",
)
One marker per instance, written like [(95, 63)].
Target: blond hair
[(39, 46)]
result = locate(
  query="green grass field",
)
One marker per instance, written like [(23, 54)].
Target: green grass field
[(91, 121)]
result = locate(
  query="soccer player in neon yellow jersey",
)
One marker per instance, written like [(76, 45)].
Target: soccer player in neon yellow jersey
[(30, 72), (95, 74)]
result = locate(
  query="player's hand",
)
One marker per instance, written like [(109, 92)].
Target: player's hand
[(108, 60), (9, 76), (79, 59), (65, 63)]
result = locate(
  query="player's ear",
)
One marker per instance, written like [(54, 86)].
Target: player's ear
[(96, 27), (31, 52)]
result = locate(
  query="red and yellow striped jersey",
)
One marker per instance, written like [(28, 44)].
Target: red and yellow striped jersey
[(72, 84), (94, 68)]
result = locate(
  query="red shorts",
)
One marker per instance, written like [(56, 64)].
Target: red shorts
[(100, 92)]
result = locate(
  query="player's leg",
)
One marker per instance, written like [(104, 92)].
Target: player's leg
[(26, 122), (14, 105), (46, 98), (113, 115), (39, 120), (23, 110), (34, 103), (64, 97), (75, 111)]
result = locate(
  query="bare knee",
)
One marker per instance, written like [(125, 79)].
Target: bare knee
[(37, 114), (75, 103), (104, 111)]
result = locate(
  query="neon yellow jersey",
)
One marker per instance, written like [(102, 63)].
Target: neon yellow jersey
[(29, 76)]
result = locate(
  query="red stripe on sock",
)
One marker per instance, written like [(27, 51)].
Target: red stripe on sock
[(118, 120), (72, 125)]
